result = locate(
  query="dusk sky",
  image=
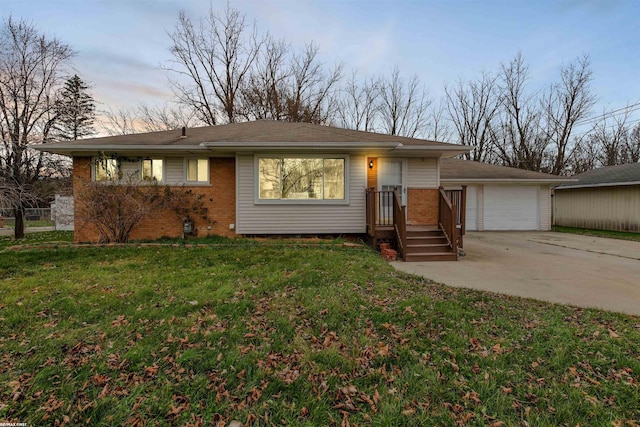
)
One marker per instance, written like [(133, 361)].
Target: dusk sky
[(121, 44)]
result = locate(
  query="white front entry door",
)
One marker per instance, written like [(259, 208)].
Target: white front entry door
[(391, 175)]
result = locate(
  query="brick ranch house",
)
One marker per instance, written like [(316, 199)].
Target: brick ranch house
[(278, 178)]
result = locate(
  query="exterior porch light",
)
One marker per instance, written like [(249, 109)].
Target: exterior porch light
[(371, 164)]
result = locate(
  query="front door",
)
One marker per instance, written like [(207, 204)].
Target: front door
[(391, 175)]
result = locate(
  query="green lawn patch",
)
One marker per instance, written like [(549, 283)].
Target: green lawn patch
[(37, 238), (622, 235), (10, 223), (272, 334)]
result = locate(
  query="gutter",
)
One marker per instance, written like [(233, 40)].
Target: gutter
[(507, 180), (604, 184)]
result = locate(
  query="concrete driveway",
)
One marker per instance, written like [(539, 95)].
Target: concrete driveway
[(557, 267)]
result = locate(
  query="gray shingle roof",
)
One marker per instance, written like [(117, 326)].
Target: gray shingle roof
[(609, 175), (456, 169), (257, 131)]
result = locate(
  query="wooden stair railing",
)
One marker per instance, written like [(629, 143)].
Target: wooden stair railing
[(400, 224), (447, 220)]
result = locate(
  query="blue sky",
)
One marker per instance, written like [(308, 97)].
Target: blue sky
[(121, 44)]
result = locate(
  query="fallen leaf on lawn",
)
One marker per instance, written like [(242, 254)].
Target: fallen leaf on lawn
[(350, 390), (409, 309), (408, 411), (383, 349), (612, 334)]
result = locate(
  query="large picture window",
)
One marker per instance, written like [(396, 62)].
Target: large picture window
[(293, 178)]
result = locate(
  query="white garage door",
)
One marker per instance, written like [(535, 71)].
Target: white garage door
[(472, 209), (511, 208)]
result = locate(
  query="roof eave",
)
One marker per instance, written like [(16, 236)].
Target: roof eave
[(252, 146), (506, 180), (603, 184), (87, 149)]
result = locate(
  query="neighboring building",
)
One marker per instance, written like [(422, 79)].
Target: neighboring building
[(607, 198), (499, 197)]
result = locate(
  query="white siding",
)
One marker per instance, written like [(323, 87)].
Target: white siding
[(422, 173), (511, 207), (472, 209), (287, 218), (480, 204), (544, 202), (130, 169), (174, 170), (607, 208)]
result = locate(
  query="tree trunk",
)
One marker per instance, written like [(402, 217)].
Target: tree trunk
[(18, 213)]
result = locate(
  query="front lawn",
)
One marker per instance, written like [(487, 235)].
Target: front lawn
[(622, 235), (272, 334)]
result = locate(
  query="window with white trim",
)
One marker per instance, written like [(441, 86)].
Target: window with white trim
[(105, 169), (197, 170), (301, 178), (152, 170)]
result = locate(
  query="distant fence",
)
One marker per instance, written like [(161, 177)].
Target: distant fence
[(30, 214)]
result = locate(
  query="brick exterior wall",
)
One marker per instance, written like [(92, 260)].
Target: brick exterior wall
[(219, 198), (372, 174), (422, 206)]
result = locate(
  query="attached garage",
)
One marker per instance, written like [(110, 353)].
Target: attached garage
[(501, 198), (509, 207)]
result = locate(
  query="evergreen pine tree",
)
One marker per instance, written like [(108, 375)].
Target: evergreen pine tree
[(75, 110)]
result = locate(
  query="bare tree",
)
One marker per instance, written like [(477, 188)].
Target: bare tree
[(264, 93), (311, 92), (122, 121), (166, 117), (359, 106), (404, 105), (211, 60), (116, 208), (438, 124), (632, 147), (31, 65), (473, 107), (566, 103), (520, 141), (610, 136)]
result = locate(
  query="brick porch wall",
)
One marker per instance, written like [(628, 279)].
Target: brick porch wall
[(422, 205), (219, 198), (372, 173)]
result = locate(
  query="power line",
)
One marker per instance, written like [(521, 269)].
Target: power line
[(627, 109)]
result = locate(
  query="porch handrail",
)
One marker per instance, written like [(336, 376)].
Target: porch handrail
[(458, 199), (370, 201), (447, 219), (400, 224)]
